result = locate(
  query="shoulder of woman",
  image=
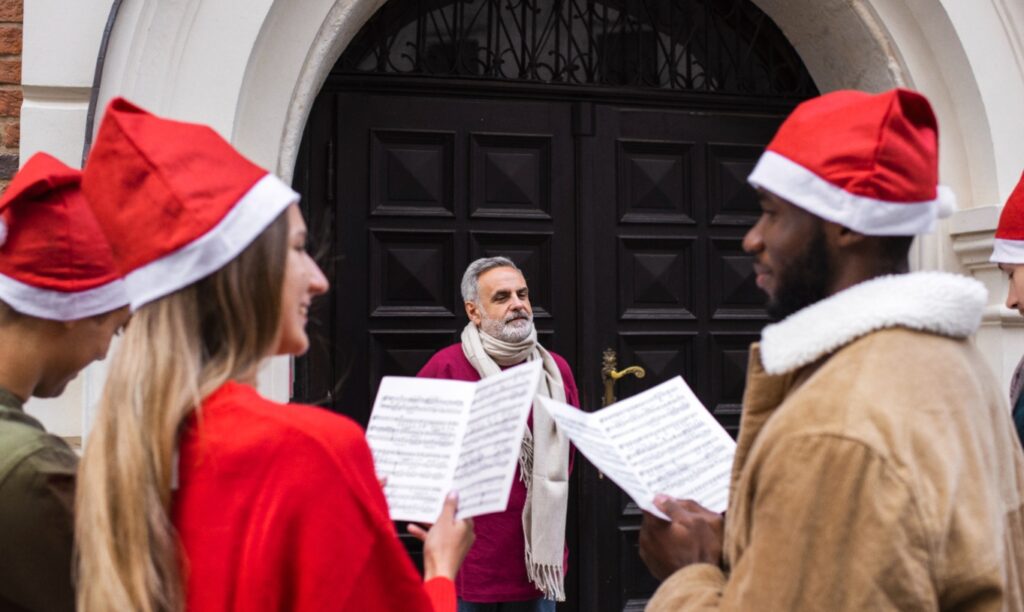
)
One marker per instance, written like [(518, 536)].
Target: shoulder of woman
[(240, 412)]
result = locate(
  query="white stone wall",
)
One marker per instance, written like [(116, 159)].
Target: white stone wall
[(61, 40), (252, 68)]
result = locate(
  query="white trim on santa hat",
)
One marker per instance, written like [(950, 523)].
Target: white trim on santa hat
[(61, 305), (1007, 251), (795, 183), (263, 203)]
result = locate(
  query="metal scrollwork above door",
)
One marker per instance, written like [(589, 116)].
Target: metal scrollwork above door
[(715, 46)]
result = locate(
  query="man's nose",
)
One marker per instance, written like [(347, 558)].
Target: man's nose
[(753, 241), (1012, 301)]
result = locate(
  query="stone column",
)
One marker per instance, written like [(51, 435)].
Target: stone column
[(1001, 337)]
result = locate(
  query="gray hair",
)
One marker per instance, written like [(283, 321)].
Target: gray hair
[(470, 286)]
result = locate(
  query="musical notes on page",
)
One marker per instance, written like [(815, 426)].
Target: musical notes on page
[(431, 436), (490, 448), (660, 441), (413, 428)]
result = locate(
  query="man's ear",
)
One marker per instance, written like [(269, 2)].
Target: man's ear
[(842, 237), (473, 313)]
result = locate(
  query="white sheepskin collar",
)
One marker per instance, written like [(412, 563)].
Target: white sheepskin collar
[(936, 302)]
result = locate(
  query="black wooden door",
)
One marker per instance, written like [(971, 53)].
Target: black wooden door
[(626, 220), (422, 186), (666, 285), (416, 188)]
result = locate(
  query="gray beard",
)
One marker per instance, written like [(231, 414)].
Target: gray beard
[(507, 332)]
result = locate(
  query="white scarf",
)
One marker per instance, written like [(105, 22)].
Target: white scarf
[(543, 458)]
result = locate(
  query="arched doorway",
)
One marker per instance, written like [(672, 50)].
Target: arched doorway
[(603, 146)]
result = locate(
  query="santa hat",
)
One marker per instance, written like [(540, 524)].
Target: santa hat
[(175, 199), (1009, 243), (867, 162), (55, 262)]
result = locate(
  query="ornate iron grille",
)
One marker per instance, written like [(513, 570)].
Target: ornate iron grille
[(722, 46)]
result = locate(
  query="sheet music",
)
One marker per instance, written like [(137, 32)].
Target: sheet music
[(660, 441), (590, 438), (430, 436), (415, 425), (494, 433)]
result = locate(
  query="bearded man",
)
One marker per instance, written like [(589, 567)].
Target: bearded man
[(876, 466), (519, 558)]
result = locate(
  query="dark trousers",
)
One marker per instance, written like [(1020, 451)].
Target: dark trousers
[(534, 605)]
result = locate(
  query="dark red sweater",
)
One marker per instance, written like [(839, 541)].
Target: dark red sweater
[(495, 569)]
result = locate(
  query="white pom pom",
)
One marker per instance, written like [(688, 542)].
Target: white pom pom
[(3, 232), (947, 201)]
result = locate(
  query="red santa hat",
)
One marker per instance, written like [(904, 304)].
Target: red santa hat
[(1009, 243), (867, 162), (175, 199), (55, 262)]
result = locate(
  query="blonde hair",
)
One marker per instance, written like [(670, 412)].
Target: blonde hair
[(176, 351)]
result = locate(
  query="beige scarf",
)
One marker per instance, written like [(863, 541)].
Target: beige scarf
[(543, 458)]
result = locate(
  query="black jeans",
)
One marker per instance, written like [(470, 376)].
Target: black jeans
[(534, 605)]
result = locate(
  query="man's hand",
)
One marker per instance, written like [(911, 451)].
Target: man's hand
[(694, 535)]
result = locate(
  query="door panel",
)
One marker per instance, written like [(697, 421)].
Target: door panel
[(412, 190), (667, 206), (424, 186)]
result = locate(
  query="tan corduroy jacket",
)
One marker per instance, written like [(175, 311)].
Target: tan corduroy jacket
[(876, 466)]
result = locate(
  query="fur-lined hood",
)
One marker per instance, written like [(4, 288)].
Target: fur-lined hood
[(936, 302)]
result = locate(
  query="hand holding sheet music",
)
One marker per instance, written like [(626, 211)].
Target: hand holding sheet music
[(431, 436), (660, 441)]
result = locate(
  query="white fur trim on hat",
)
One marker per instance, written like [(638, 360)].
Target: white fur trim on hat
[(263, 203), (60, 305), (936, 302), (794, 183), (1007, 251), (947, 201)]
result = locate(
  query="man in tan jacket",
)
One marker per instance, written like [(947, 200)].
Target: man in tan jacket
[(876, 466)]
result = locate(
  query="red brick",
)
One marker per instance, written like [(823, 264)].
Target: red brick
[(10, 10), (12, 134), (10, 102), (10, 40), (10, 71)]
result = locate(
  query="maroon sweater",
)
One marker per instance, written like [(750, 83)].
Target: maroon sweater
[(495, 569)]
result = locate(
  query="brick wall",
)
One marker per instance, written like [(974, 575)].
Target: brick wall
[(10, 87)]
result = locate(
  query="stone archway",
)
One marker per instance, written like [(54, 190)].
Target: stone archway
[(843, 43), (259, 90), (257, 85)]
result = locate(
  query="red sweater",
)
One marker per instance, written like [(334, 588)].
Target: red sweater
[(495, 568), (279, 508)]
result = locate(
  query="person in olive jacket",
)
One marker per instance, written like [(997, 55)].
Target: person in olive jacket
[(61, 301)]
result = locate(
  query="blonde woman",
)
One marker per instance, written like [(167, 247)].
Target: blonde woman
[(196, 492)]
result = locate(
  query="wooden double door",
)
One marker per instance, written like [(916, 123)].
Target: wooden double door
[(626, 218)]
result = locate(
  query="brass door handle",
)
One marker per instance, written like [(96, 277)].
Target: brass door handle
[(610, 375)]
